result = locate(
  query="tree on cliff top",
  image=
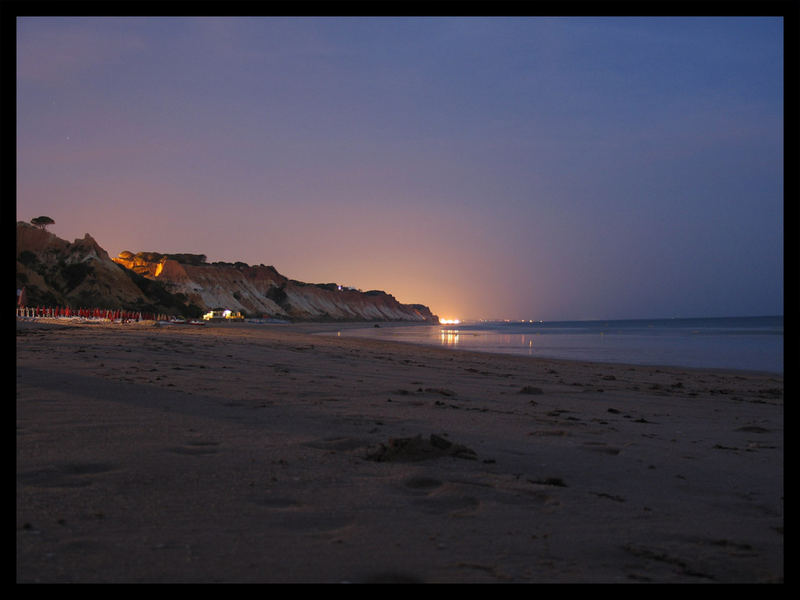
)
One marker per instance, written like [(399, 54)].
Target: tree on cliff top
[(42, 222)]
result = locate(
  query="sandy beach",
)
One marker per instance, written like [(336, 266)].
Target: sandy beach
[(230, 453)]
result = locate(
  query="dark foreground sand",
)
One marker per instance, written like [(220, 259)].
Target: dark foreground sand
[(265, 454)]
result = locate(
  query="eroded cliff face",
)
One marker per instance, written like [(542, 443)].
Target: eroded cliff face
[(56, 272), (262, 291), (81, 274)]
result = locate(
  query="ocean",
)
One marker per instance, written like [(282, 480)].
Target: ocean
[(739, 343)]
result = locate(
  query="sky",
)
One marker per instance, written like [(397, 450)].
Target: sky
[(557, 168)]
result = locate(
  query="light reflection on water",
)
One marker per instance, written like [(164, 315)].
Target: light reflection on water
[(656, 343), (449, 338)]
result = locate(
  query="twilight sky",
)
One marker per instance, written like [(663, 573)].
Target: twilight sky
[(521, 168)]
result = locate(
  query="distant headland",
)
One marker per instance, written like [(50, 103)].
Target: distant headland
[(55, 272)]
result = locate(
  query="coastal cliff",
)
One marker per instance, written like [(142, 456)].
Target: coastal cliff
[(57, 272), (261, 290)]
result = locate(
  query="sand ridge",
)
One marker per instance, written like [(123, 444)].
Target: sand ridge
[(151, 453)]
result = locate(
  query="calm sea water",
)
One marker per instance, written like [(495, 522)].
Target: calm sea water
[(742, 343)]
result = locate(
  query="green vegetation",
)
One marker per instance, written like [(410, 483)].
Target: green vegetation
[(161, 299), (37, 297), (74, 274), (331, 287), (188, 259), (278, 295), (27, 258), (42, 222)]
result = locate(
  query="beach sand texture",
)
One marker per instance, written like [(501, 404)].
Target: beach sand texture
[(263, 453)]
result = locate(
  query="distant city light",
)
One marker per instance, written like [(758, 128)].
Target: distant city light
[(449, 321)]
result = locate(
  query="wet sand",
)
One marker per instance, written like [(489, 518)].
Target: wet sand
[(266, 454)]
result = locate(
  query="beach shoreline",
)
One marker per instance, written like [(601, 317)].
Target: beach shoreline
[(270, 453)]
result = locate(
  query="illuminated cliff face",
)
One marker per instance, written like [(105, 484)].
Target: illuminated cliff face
[(147, 264), (262, 291), (48, 265)]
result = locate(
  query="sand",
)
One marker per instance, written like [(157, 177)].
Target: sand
[(263, 453)]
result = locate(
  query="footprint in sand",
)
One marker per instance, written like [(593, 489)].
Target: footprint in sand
[(601, 447), (753, 429), (449, 502), (338, 444), (196, 448), (278, 503), (419, 449), (65, 475), (441, 498), (303, 521), (422, 483), (392, 577), (301, 518)]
